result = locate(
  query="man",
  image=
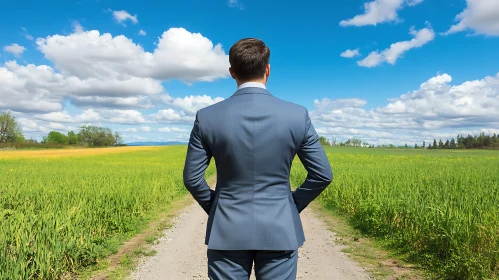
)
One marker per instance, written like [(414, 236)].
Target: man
[(253, 137)]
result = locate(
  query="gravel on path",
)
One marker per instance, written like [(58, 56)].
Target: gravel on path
[(181, 252)]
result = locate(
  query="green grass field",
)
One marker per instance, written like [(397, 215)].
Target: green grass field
[(439, 207), (61, 212)]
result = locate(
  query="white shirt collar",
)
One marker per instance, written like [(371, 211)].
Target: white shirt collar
[(252, 84)]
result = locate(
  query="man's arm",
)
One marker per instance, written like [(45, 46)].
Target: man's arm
[(314, 159), (197, 160)]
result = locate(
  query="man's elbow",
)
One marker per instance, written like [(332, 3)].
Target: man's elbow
[(328, 177), (190, 182)]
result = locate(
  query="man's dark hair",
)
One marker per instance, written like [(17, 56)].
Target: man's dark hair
[(249, 59)]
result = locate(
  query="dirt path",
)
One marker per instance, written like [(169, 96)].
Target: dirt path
[(181, 253)]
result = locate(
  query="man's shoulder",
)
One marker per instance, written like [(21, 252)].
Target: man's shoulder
[(292, 106), (212, 108), (285, 105)]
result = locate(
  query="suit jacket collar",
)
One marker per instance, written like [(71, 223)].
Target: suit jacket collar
[(250, 90)]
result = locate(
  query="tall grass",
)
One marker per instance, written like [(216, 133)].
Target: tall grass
[(443, 210), (59, 215)]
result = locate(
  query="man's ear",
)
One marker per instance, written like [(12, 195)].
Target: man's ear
[(232, 73), (267, 71)]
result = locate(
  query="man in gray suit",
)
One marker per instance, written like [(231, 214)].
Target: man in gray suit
[(253, 137)]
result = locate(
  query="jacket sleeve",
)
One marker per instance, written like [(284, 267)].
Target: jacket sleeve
[(197, 160), (315, 161)]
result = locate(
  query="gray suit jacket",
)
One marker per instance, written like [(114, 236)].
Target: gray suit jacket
[(253, 137)]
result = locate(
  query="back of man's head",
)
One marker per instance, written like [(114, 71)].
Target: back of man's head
[(249, 59)]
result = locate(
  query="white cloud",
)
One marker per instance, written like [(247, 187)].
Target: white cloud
[(26, 34), (379, 11), (350, 53), (77, 27), (179, 54), (142, 101), (411, 3), (94, 116), (15, 49), (90, 116), (189, 105), (327, 103), (111, 78), (142, 33), (150, 129), (134, 138), (145, 129), (130, 130), (372, 60), (31, 126), (189, 57), (171, 116), (33, 88), (235, 4), (27, 88), (122, 16), (121, 116), (61, 117), (437, 108), (109, 72), (396, 50), (172, 129), (481, 16)]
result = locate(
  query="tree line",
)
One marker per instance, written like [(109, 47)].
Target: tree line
[(87, 136), (481, 141), (354, 142)]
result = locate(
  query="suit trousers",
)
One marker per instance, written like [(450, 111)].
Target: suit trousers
[(237, 265)]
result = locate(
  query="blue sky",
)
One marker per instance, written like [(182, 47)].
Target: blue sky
[(415, 69)]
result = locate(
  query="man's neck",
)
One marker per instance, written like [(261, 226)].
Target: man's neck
[(251, 84), (260, 81)]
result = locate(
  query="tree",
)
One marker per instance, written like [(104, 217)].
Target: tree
[(447, 144), (353, 142), (55, 137), (430, 147), (10, 131), (118, 141), (435, 145), (469, 142), (94, 136), (424, 144), (324, 141), (485, 140), (31, 141), (416, 146), (453, 144), (440, 144), (72, 138), (460, 142), (333, 141)]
